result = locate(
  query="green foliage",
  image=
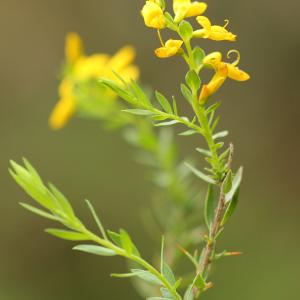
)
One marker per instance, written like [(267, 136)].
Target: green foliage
[(146, 121)]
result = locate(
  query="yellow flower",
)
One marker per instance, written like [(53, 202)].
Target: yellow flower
[(169, 49), (73, 47), (187, 8), (153, 15), (222, 72), (213, 32), (85, 68), (65, 107)]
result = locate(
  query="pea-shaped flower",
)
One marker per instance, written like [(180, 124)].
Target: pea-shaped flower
[(222, 72), (187, 8), (213, 32), (153, 15), (171, 48)]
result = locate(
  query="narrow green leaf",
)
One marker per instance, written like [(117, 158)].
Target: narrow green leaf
[(193, 81), (204, 152), (147, 276), (188, 132), (186, 93), (115, 237), (39, 212), (175, 109), (164, 102), (201, 175), (96, 250), (168, 123), (118, 89), (198, 55), (227, 184), (96, 218), (220, 135), (235, 185), (210, 205), (213, 108), (139, 93), (166, 293), (128, 244), (200, 283), (168, 273), (125, 275), (159, 298), (62, 200), (67, 235), (231, 207), (138, 112), (170, 22), (189, 293), (126, 241)]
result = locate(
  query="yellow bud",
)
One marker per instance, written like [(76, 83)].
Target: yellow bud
[(171, 48), (153, 15), (73, 48)]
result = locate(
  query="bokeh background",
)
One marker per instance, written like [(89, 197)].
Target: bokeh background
[(88, 162)]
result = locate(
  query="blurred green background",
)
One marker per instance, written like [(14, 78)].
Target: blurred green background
[(87, 162)]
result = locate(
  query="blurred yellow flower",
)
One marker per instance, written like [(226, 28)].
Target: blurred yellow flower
[(85, 68), (213, 32), (153, 15), (187, 8), (222, 72), (171, 48)]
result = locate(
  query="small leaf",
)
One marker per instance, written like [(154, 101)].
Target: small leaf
[(201, 175), (185, 30), (164, 102), (200, 283), (68, 235), (186, 93), (221, 134), (198, 55), (168, 274), (146, 276), (96, 250), (126, 241), (188, 132), (115, 237), (210, 205), (139, 93), (168, 123), (166, 293), (39, 212), (227, 183), (62, 200), (235, 185), (204, 152), (170, 22), (96, 218), (138, 112), (193, 81), (175, 106), (231, 207), (189, 294)]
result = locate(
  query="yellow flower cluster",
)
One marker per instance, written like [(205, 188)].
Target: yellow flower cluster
[(81, 68), (155, 16)]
